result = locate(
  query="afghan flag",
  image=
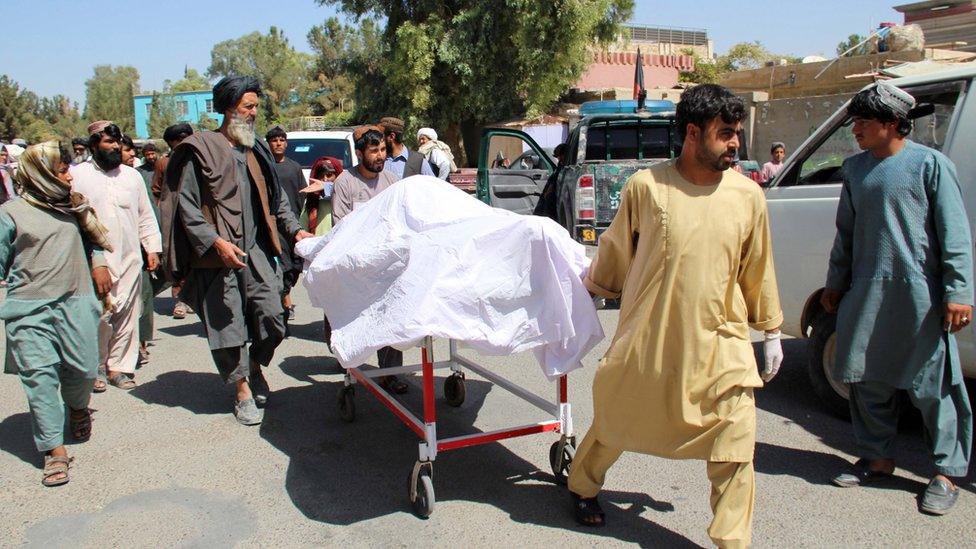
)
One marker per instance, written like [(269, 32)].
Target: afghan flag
[(639, 92)]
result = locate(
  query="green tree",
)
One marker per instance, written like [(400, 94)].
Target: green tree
[(17, 108), (852, 41), (340, 51), (162, 113), (706, 71), (108, 95), (191, 81), (457, 65), (283, 71), (205, 123)]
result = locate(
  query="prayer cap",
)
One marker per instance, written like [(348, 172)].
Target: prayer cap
[(392, 124), (900, 101), (361, 131), (99, 126)]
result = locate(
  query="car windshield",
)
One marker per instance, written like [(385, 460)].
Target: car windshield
[(620, 142), (306, 150)]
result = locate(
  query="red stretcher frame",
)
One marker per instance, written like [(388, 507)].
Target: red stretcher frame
[(426, 428)]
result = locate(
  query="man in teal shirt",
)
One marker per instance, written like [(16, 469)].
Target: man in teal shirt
[(900, 280)]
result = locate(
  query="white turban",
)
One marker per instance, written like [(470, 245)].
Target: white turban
[(429, 132)]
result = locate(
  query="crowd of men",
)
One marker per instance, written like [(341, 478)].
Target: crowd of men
[(91, 241)]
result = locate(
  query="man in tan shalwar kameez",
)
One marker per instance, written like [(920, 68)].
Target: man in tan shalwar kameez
[(690, 257)]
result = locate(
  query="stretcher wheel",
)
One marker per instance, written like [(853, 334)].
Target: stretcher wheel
[(347, 406), (560, 462), (423, 504), (454, 391)]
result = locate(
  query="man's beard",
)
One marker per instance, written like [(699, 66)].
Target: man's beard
[(108, 160), (150, 164), (717, 163), (241, 130)]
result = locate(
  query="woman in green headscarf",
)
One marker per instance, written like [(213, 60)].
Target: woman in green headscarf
[(50, 255)]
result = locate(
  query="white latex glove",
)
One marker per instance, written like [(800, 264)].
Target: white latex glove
[(773, 351)]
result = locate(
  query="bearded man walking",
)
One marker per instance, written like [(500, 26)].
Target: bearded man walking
[(118, 195), (222, 210)]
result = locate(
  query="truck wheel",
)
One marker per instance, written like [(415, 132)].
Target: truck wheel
[(820, 360)]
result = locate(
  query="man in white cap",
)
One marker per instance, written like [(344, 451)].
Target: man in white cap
[(118, 195), (900, 280), (437, 152)]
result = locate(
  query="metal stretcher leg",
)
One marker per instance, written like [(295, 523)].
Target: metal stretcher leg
[(421, 480), (562, 452)]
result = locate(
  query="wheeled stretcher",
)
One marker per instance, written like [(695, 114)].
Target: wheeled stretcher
[(420, 482)]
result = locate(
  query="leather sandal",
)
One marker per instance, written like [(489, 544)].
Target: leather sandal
[(54, 466), (588, 511)]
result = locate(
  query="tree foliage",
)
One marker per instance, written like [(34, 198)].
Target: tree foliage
[(23, 114), (191, 81), (343, 56), (283, 71), (852, 41), (108, 95), (456, 65), (706, 71), (163, 113)]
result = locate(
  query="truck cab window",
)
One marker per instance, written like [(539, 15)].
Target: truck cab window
[(937, 102)]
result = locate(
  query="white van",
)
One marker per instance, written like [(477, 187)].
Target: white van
[(305, 147), (803, 199)]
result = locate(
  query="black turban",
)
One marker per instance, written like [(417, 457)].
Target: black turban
[(229, 91), (177, 131)]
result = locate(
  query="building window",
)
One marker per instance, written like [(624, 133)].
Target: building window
[(182, 108), (148, 109), (210, 105)]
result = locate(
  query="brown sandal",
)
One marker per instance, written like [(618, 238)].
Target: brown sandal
[(80, 423), (54, 466), (100, 386)]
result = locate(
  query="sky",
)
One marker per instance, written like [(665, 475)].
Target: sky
[(50, 46)]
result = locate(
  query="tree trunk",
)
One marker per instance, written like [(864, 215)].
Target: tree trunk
[(452, 136)]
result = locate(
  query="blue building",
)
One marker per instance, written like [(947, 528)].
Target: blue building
[(190, 106)]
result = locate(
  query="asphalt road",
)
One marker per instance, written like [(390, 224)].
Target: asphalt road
[(167, 465)]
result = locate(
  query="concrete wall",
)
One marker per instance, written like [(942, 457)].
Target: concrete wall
[(790, 120)]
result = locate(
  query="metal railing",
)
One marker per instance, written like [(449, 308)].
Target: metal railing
[(668, 35)]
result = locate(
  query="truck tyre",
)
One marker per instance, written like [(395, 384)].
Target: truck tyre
[(820, 358)]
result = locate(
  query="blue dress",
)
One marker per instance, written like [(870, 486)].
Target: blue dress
[(902, 250)]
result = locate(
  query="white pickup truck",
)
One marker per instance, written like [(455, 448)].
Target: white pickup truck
[(803, 199)]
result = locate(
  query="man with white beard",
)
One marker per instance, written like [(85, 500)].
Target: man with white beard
[(222, 208)]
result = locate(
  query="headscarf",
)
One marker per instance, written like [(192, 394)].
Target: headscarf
[(332, 161), (435, 144), (230, 89), (38, 184)]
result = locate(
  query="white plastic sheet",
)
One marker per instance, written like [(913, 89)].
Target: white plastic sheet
[(425, 258)]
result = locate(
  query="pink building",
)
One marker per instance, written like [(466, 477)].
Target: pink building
[(616, 70)]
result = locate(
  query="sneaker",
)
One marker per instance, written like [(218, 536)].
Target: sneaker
[(939, 496), (179, 312), (248, 413)]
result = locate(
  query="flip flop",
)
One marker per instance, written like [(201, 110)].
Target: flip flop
[(586, 510), (100, 386), (122, 381), (56, 465)]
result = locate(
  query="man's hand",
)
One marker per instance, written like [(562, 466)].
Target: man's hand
[(229, 254), (830, 300), (102, 280), (315, 186), (302, 235), (957, 316), (152, 261), (773, 353)]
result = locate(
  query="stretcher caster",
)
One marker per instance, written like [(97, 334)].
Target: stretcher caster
[(454, 389), (347, 406), (561, 455), (420, 489)]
